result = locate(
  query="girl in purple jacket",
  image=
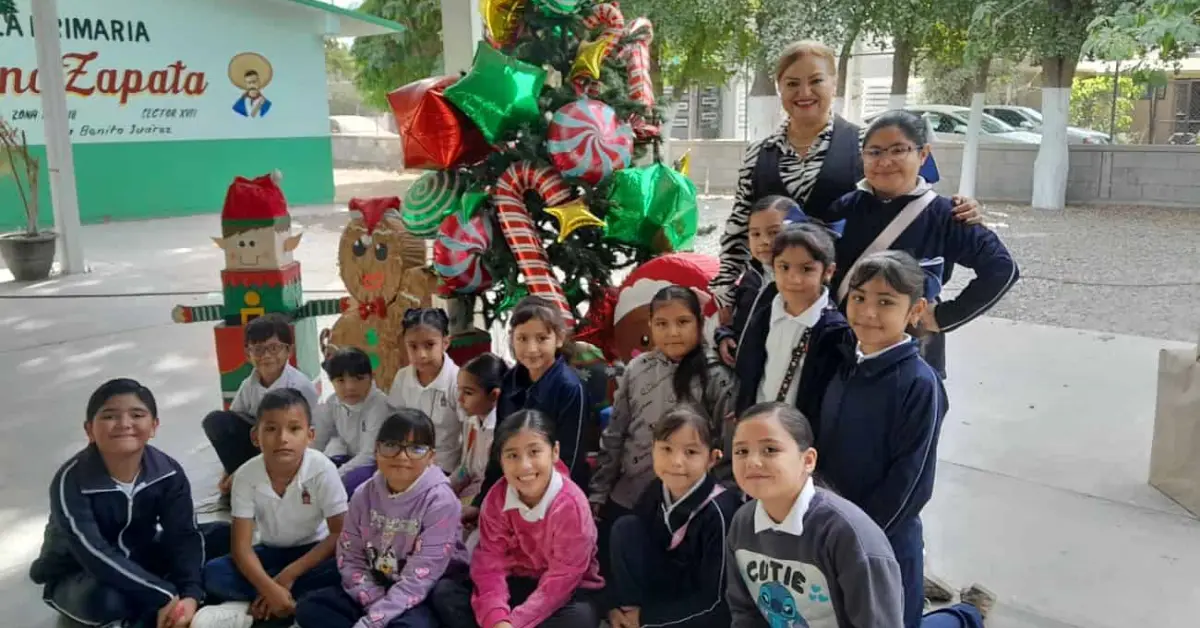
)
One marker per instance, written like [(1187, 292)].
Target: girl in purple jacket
[(401, 535)]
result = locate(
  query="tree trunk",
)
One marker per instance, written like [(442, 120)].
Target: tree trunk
[(970, 159), (843, 70), (1051, 167), (656, 70), (902, 58), (763, 111)]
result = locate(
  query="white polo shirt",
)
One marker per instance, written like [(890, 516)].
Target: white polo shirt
[(784, 334), (252, 391), (439, 401), (298, 517)]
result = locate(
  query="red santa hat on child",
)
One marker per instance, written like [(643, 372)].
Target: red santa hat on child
[(689, 270)]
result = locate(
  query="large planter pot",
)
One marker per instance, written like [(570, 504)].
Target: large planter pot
[(28, 257)]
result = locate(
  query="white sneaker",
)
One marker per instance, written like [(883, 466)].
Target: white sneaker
[(227, 615)]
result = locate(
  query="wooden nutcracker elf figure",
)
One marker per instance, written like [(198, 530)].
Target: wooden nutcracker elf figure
[(260, 277)]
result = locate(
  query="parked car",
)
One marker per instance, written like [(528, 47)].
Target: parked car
[(949, 124), (356, 125), (1031, 119)]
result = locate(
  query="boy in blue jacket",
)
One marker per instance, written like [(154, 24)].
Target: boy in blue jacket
[(104, 559), (881, 414)]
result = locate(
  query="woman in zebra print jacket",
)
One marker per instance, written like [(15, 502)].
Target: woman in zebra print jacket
[(814, 158)]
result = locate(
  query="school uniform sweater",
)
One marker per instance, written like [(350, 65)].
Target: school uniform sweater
[(753, 292), (438, 400), (559, 394), (95, 526), (826, 565), (939, 242), (554, 543), (646, 392), (350, 430), (830, 345), (394, 547), (697, 563), (878, 433)]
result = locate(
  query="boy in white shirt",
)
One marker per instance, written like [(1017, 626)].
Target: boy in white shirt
[(268, 347), (348, 421), (293, 498)]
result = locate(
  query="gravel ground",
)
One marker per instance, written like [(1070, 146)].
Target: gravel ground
[(1125, 270)]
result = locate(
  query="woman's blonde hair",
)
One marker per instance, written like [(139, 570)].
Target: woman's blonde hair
[(797, 49)]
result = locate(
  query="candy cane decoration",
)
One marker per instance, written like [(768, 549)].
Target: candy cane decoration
[(610, 17), (637, 58), (521, 235)]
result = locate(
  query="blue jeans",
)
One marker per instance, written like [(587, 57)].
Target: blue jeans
[(957, 616), (86, 600), (224, 582)]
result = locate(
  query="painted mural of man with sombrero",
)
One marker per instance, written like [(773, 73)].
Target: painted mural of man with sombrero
[(251, 72)]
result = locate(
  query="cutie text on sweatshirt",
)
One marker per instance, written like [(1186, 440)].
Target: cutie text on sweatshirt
[(827, 565)]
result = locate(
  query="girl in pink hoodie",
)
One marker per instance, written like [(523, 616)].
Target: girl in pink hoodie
[(535, 564), (401, 535)]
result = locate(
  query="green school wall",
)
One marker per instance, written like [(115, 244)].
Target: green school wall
[(139, 180)]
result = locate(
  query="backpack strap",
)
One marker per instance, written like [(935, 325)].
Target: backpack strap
[(888, 236)]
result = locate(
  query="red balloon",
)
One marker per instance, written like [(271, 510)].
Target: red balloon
[(435, 135)]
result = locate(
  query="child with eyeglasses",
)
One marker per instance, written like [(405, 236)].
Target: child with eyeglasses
[(430, 381), (402, 534), (268, 342)]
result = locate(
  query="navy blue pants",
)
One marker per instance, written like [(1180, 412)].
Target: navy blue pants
[(451, 599), (331, 607), (229, 433), (644, 576), (609, 513), (225, 583), (909, 546), (86, 600)]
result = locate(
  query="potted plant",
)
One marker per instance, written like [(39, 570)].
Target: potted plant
[(29, 254)]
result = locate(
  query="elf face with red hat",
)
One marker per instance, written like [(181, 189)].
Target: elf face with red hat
[(631, 313), (255, 225)]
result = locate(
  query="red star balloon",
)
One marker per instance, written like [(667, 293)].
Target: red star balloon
[(435, 135)]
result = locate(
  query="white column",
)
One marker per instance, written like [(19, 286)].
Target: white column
[(60, 162), (462, 27), (1051, 167)]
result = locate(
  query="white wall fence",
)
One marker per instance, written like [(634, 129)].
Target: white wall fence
[(1133, 175)]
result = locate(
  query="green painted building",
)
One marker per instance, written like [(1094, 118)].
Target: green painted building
[(169, 100)]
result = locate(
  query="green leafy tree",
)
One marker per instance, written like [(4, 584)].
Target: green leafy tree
[(1168, 28), (385, 62), (696, 42), (339, 65), (1092, 103)]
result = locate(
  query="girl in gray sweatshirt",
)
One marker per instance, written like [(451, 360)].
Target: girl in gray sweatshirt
[(803, 557)]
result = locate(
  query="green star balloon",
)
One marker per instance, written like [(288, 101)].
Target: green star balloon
[(653, 207), (499, 93)]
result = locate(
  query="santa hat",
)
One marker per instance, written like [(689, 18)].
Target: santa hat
[(689, 270), (251, 203)]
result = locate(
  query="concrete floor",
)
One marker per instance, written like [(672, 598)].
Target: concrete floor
[(1041, 490)]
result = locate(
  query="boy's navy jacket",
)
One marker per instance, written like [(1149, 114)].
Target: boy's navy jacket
[(751, 294), (560, 395), (878, 434), (830, 345), (938, 241), (95, 527), (698, 563)]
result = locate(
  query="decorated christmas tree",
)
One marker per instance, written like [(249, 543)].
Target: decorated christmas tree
[(543, 167)]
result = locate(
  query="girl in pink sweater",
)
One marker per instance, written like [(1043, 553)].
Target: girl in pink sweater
[(536, 560)]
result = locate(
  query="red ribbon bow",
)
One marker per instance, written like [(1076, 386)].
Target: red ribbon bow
[(375, 306)]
